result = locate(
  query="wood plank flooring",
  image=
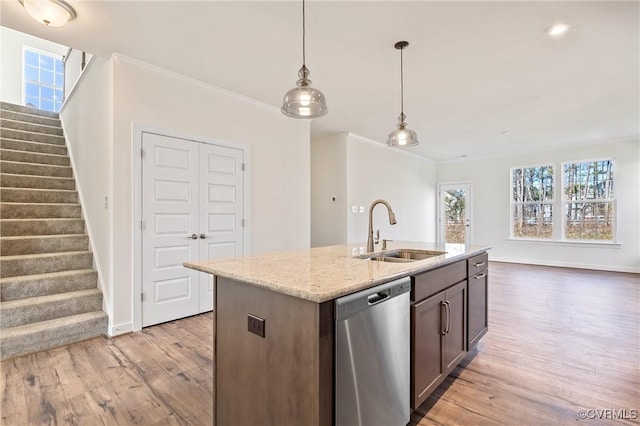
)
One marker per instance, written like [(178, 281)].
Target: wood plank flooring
[(560, 340)]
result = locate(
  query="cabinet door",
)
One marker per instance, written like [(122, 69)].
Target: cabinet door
[(478, 297), (427, 326), (455, 340)]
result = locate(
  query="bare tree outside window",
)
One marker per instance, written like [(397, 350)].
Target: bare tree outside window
[(532, 202), (454, 209), (589, 201)]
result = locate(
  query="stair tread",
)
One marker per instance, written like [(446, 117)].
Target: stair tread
[(42, 237), (39, 189), (8, 106), (31, 176), (35, 153), (43, 219), (4, 138), (11, 304), (48, 275), (53, 323), (45, 255), (37, 164), (10, 120)]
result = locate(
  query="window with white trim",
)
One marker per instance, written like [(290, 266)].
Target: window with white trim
[(43, 80), (588, 201), (532, 198)]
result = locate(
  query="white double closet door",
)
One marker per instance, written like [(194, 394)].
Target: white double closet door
[(192, 209)]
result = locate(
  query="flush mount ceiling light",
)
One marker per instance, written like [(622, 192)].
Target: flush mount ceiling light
[(558, 29), (402, 136), (304, 101), (52, 13)]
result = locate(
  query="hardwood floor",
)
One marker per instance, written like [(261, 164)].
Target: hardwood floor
[(162, 375), (559, 340)]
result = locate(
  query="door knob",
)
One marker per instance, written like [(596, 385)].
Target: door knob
[(193, 237), (203, 236)]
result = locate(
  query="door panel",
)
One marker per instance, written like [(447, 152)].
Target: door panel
[(455, 340), (188, 189), (170, 210)]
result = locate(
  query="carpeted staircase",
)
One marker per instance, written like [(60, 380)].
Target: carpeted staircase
[(48, 287)]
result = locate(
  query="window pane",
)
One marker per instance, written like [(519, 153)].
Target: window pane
[(31, 73), (58, 105), (533, 221), (58, 95), (46, 77), (533, 184), (455, 228), (32, 90), (46, 105), (32, 101), (590, 180), (46, 93), (59, 80), (59, 66), (589, 221), (46, 62), (31, 58)]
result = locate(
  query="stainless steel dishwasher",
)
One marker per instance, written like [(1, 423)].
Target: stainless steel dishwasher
[(372, 356)]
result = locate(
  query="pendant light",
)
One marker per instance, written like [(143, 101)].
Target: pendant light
[(402, 136), (52, 13), (304, 101)]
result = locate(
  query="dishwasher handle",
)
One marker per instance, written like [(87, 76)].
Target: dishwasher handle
[(378, 297)]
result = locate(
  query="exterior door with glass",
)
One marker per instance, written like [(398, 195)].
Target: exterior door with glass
[(454, 218)]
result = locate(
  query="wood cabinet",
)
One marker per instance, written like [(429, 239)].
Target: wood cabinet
[(438, 330), (477, 318)]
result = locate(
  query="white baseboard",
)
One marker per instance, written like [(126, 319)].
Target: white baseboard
[(561, 264), (119, 329)]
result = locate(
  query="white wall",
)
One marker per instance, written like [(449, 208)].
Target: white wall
[(329, 181), (358, 171), (279, 217), (73, 69), (406, 181), (491, 177), (87, 119), (11, 44)]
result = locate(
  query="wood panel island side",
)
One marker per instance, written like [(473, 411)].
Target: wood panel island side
[(275, 321)]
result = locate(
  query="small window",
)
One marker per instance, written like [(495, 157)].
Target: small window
[(532, 202), (589, 201), (43, 81)]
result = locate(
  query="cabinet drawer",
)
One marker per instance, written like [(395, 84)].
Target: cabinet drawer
[(478, 263), (432, 282)]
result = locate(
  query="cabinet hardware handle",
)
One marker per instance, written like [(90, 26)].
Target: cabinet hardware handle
[(203, 236), (478, 264), (479, 276), (443, 304), (448, 316), (193, 237)]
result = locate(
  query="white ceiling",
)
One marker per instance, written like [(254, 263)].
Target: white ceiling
[(472, 71)]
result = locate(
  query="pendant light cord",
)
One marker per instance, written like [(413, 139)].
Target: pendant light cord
[(401, 84), (303, 36)]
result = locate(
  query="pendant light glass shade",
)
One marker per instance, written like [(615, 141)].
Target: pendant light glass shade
[(304, 101), (52, 13), (402, 136)]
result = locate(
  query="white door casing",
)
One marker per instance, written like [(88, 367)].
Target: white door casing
[(192, 209)]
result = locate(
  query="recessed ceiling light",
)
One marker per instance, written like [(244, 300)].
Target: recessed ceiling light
[(506, 132), (558, 29)]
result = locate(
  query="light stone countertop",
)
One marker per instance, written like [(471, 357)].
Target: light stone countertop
[(325, 273)]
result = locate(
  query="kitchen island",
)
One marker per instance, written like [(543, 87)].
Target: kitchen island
[(274, 319)]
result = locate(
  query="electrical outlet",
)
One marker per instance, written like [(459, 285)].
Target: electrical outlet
[(255, 325)]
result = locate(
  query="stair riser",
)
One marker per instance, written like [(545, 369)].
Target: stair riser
[(35, 119), (43, 148), (34, 157), (17, 195), (33, 137), (42, 227), (36, 182), (16, 289), (42, 339), (66, 262), (31, 127), (27, 110), (45, 311), (37, 245), (39, 211), (35, 169)]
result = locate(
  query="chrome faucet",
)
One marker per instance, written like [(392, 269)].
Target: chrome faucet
[(392, 221)]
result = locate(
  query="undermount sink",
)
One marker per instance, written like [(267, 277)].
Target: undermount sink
[(404, 255)]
